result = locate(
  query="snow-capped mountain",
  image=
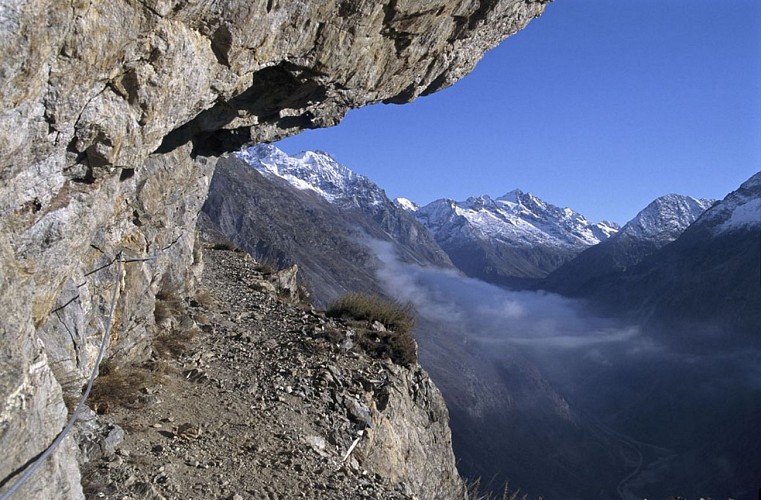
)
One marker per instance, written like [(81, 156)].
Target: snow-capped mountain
[(658, 224), (663, 220), (513, 237), (315, 171), (706, 280), (312, 211), (517, 217)]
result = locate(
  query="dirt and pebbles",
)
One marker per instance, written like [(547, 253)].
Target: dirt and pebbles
[(249, 395)]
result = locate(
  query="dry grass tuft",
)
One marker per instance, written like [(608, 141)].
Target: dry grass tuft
[(132, 385), (475, 493), (396, 341), (204, 298), (227, 245), (125, 386), (168, 307), (173, 344), (264, 268), (394, 315)]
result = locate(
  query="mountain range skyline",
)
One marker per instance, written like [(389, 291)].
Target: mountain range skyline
[(522, 242), (295, 169)]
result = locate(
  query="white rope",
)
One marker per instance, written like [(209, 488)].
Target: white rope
[(70, 424)]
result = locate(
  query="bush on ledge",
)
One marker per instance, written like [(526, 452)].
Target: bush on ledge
[(396, 340)]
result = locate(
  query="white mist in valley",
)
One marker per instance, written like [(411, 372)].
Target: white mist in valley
[(513, 364), (491, 315), (536, 322)]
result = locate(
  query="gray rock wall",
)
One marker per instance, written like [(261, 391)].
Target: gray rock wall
[(410, 439), (112, 114)]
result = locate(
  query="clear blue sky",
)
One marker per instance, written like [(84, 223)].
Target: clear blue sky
[(599, 105)]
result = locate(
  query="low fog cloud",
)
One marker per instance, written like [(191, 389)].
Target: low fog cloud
[(493, 315), (544, 359), (559, 333)]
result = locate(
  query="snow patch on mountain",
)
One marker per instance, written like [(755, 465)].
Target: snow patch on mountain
[(406, 204), (314, 171), (744, 216), (739, 210)]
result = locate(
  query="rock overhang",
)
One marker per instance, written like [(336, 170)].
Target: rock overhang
[(112, 116)]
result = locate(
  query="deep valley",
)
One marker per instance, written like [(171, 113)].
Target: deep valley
[(599, 394)]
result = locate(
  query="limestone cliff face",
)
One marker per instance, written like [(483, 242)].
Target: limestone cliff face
[(112, 115)]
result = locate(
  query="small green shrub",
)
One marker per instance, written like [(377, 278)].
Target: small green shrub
[(396, 342)]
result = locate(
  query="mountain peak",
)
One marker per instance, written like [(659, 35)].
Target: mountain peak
[(315, 171), (513, 196), (531, 237), (318, 157), (405, 204), (477, 202), (665, 218), (519, 217)]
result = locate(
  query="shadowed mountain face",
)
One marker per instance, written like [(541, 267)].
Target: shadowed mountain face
[(571, 405), (344, 234), (707, 281), (510, 423), (657, 225), (697, 298), (541, 391), (278, 223)]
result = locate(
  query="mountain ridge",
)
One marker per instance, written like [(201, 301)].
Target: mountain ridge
[(716, 259), (741, 209), (515, 237), (325, 227), (510, 240), (659, 223), (317, 171)]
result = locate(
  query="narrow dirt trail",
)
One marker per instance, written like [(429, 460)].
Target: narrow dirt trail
[(261, 402)]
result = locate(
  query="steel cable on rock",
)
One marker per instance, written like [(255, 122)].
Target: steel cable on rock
[(32, 468), (118, 260)]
